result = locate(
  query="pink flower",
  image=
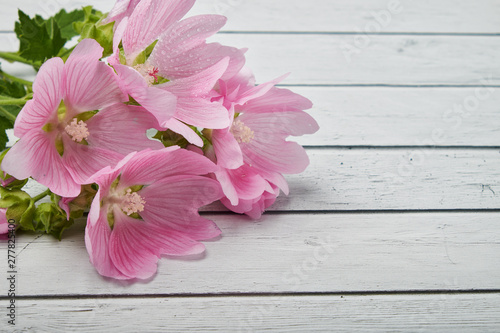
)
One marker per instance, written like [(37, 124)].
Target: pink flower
[(181, 56), (147, 207), (121, 9), (63, 141), (256, 206), (253, 152), (4, 223)]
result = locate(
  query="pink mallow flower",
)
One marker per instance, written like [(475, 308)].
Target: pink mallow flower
[(4, 223), (147, 207), (180, 56), (63, 139), (253, 152)]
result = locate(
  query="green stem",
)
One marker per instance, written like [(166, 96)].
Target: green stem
[(7, 114), (16, 101), (41, 195), (13, 56), (16, 79)]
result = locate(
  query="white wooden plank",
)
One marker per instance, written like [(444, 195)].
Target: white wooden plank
[(395, 179), (448, 16), (381, 313), (388, 179), (388, 60), (290, 253), (378, 116), (393, 60)]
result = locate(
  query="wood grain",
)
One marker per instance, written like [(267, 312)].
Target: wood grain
[(412, 313), (291, 253), (446, 16), (387, 60)]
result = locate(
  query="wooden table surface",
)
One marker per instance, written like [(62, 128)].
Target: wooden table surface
[(395, 226)]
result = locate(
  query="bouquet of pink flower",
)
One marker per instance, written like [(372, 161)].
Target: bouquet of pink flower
[(140, 124)]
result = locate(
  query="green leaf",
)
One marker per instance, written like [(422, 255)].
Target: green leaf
[(39, 39), (5, 124), (51, 219), (10, 88), (91, 27), (65, 22), (20, 207), (8, 113)]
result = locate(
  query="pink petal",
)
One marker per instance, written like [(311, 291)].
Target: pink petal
[(194, 105), (149, 19), (90, 83), (254, 207), (242, 183), (35, 155), (114, 59), (201, 112), (200, 84), (276, 179), (285, 157), (185, 35), (278, 99), (83, 161), (107, 175), (147, 167), (174, 201), (200, 58), (258, 91), (159, 102), (227, 149), (279, 124), (4, 223), (122, 129), (97, 235), (135, 246), (47, 95), (120, 10), (181, 50), (184, 130)]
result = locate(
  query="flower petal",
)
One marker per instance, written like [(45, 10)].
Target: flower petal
[(181, 50), (147, 167), (35, 155), (200, 58), (83, 161), (227, 149), (194, 105), (278, 99), (242, 183), (173, 203), (97, 235), (122, 129), (149, 19), (282, 157), (121, 10), (184, 130), (48, 91), (268, 125), (135, 246), (254, 207), (159, 102), (90, 83)]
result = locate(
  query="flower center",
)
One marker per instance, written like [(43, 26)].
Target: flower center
[(77, 130), (132, 203), (149, 73), (241, 132)]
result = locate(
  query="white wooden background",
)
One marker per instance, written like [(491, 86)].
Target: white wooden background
[(395, 226)]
